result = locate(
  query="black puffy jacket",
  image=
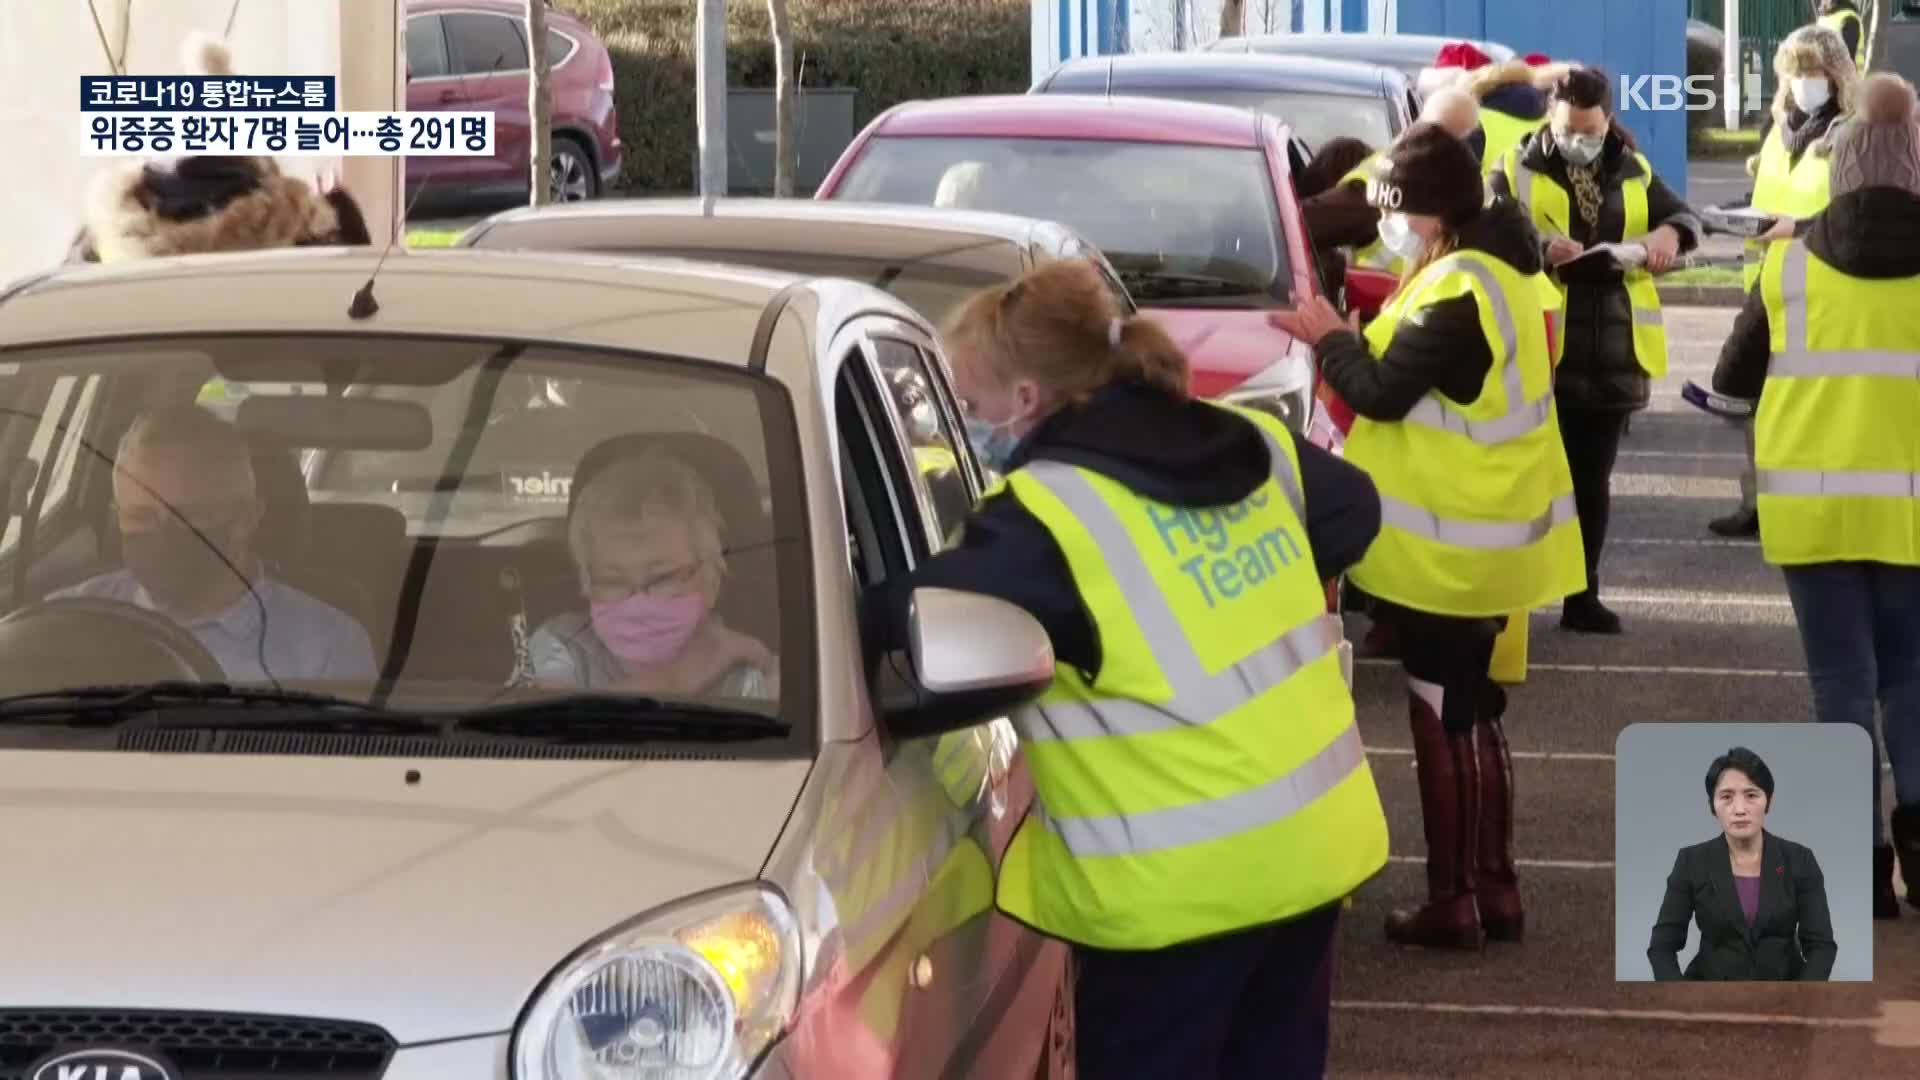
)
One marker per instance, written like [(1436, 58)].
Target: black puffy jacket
[(1598, 369)]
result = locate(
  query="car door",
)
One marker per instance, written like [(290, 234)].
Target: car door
[(488, 52), (432, 86), (979, 986)]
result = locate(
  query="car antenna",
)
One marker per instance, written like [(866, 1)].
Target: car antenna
[(363, 305)]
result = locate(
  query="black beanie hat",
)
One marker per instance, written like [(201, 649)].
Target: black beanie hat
[(1428, 171)]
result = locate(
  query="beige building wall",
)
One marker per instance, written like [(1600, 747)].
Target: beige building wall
[(47, 45)]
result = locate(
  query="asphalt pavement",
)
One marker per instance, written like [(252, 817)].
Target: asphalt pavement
[(1709, 637)]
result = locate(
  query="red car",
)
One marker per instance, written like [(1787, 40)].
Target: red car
[(1193, 205), (471, 55)]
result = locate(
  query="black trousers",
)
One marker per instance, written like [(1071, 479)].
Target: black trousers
[(1592, 438), (1253, 1005), (1452, 652)]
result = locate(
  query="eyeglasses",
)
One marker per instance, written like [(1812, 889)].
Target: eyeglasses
[(676, 582)]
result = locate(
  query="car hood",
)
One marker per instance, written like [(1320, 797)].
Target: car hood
[(1227, 346), (335, 888)]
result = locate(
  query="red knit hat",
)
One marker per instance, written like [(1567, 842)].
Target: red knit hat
[(1534, 59), (1461, 54)]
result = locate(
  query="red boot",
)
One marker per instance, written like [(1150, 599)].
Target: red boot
[(1496, 885), (1450, 805)]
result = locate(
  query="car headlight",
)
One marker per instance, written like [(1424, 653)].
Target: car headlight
[(694, 991), (1284, 390)]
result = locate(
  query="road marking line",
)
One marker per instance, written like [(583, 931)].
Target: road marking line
[(1702, 599), (1673, 486), (1897, 1025), (1709, 455), (1625, 669), (1653, 542), (1524, 864)]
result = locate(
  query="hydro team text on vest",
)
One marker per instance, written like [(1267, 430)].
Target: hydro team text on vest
[(1223, 568)]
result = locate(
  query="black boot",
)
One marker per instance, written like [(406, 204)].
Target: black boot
[(1496, 886), (1885, 904), (1448, 767), (1740, 523), (1583, 613), (1906, 849)]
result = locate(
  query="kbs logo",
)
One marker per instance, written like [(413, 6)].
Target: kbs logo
[(1671, 93)]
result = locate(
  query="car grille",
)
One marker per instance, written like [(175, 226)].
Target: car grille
[(203, 1046)]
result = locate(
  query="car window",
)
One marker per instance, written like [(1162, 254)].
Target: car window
[(58, 437), (1182, 225), (1315, 118), (444, 490), (907, 373), (1075, 248), (484, 44), (559, 48), (426, 47)]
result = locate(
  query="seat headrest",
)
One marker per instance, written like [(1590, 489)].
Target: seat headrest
[(736, 493)]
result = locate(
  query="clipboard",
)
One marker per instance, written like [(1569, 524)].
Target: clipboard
[(1742, 221), (1609, 257)]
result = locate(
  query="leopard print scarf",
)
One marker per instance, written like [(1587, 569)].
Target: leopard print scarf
[(1586, 191)]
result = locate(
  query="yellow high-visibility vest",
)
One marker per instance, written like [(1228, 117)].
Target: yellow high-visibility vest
[(1505, 134), (1837, 21), (1373, 255), (1551, 209), (1782, 187), (1476, 499), (1836, 454), (1210, 776)]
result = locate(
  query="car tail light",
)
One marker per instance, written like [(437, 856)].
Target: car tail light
[(606, 70)]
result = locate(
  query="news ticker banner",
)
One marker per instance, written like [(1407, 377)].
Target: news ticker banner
[(279, 115)]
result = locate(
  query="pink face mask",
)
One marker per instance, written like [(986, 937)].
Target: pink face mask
[(648, 630)]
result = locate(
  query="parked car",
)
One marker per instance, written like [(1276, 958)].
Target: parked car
[(930, 259), (471, 55), (443, 871), (1409, 53), (1192, 204), (1317, 99)]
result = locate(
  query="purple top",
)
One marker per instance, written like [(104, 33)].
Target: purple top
[(1749, 890)]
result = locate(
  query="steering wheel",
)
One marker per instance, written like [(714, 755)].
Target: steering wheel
[(89, 641)]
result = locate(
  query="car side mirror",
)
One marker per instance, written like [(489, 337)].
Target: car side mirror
[(1367, 290), (974, 658)]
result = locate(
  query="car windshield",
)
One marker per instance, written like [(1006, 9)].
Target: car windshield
[(449, 523), (1182, 225), (1315, 118), (932, 284)]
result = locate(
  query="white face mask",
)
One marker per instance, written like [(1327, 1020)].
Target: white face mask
[(1398, 235), (1580, 149), (1811, 92)]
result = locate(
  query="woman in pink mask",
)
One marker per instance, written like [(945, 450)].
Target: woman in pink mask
[(645, 537)]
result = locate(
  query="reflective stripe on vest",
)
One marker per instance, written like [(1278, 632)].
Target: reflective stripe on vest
[(1781, 186), (1837, 21), (1548, 204), (1210, 776), (1478, 510), (1837, 461)]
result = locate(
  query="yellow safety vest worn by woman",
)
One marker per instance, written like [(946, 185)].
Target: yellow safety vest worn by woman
[(1551, 209), (1477, 502), (1272, 812), (1798, 190), (1835, 441)]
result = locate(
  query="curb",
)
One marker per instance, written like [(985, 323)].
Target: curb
[(1703, 295)]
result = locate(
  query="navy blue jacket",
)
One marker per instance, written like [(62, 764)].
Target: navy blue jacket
[(1183, 453)]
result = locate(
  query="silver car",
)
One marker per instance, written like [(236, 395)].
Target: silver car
[(457, 863)]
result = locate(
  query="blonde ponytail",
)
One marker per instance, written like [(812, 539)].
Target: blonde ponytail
[(1151, 356)]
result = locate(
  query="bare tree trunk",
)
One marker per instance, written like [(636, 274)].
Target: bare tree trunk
[(1233, 18), (786, 156), (539, 105)]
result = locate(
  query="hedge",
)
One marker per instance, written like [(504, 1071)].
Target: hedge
[(888, 50)]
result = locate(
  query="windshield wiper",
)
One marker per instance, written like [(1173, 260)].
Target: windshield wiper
[(108, 704), (603, 718), (1148, 284)]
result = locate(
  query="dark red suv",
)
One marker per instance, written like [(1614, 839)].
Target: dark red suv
[(472, 55)]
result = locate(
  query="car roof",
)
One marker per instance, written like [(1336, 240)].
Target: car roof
[(1396, 50), (878, 229), (1218, 70), (701, 310), (1075, 116)]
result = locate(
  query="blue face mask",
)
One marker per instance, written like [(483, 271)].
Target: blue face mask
[(993, 442)]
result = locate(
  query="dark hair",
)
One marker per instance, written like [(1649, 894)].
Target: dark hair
[(1745, 761), (1336, 158), (1584, 88)]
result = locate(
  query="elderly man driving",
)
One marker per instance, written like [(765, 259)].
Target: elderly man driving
[(187, 508), (645, 538)]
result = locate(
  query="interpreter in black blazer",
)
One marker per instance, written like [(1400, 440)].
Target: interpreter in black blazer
[(1760, 899)]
